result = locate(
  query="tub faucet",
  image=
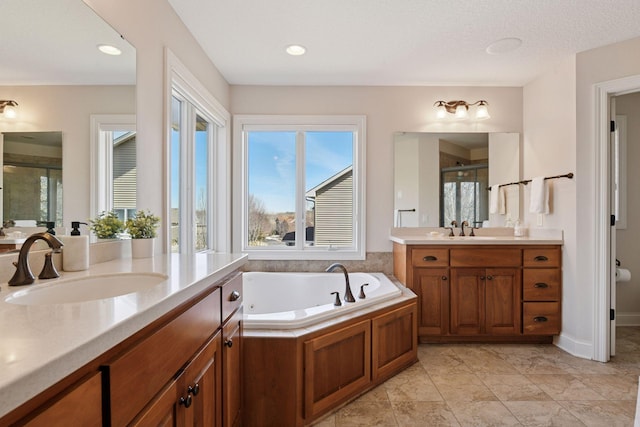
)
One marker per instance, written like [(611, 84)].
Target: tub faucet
[(23, 274), (348, 296)]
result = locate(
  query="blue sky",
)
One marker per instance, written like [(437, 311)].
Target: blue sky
[(272, 164)]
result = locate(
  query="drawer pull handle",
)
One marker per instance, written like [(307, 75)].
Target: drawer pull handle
[(430, 258), (541, 258), (540, 319), (235, 295), (444, 277), (228, 343), (541, 285), (195, 389), (186, 401)]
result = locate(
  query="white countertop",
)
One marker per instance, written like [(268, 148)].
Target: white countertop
[(42, 344), (488, 236)]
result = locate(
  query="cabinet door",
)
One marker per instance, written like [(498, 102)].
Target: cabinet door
[(467, 301), (231, 377), (347, 353), (200, 385), (81, 406), (432, 287), (502, 301), (162, 411), (394, 341)]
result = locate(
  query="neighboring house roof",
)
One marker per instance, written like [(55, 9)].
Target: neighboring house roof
[(312, 192)]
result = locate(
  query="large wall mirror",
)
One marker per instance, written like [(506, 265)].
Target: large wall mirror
[(52, 67), (441, 177)]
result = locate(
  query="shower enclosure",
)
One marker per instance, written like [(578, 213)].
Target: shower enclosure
[(464, 195)]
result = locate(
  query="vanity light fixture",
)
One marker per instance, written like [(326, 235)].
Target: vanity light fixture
[(8, 108), (460, 109)]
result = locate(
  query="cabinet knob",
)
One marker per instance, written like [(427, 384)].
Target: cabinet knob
[(228, 343), (430, 258), (541, 285), (540, 319), (489, 277), (482, 277), (186, 401), (195, 389), (541, 258), (444, 277), (234, 296)]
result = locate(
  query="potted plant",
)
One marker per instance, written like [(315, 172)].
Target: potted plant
[(106, 225), (142, 229)]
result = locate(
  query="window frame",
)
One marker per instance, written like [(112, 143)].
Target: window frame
[(246, 123), (180, 81)]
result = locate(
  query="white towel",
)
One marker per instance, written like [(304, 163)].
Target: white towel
[(539, 197), (496, 200)]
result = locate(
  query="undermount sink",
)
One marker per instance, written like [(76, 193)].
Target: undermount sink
[(82, 289), (473, 238)]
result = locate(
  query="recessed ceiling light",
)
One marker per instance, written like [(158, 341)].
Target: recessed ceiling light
[(296, 50), (504, 46), (109, 50)]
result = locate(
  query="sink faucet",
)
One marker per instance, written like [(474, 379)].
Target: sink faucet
[(464, 223), (348, 296), (23, 274)]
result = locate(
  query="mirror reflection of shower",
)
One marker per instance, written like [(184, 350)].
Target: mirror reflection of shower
[(464, 195)]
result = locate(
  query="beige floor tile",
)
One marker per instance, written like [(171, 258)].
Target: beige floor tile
[(329, 421), (462, 387), (445, 364), (413, 384), (375, 395), (547, 413), (537, 364), (421, 414), (483, 414), (602, 413), (366, 414), (612, 387), (513, 387), (564, 387)]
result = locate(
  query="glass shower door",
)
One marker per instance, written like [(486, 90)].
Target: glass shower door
[(464, 195)]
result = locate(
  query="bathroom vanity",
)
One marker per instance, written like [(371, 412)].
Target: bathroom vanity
[(488, 289), (167, 354)]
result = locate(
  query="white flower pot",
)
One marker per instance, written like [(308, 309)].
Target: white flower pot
[(142, 248)]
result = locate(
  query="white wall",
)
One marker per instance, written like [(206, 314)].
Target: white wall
[(628, 293), (549, 148), (388, 110), (67, 109), (150, 26)]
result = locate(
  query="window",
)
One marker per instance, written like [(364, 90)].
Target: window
[(197, 165), (301, 191)]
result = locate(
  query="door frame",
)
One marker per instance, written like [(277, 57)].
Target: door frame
[(602, 268)]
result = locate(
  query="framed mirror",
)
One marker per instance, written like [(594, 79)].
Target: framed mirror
[(53, 68), (441, 177)]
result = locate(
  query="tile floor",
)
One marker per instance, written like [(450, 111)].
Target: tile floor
[(503, 385)]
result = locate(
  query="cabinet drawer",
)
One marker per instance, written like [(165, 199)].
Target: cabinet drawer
[(498, 257), (428, 257), (231, 296), (135, 377), (541, 318), (543, 257), (541, 284)]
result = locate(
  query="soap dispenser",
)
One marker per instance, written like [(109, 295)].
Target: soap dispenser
[(75, 252)]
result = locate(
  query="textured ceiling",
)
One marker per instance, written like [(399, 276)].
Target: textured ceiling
[(400, 42)]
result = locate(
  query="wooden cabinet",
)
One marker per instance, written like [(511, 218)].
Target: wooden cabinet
[(542, 290), (232, 362), (346, 353), (81, 405), (394, 341), (483, 292)]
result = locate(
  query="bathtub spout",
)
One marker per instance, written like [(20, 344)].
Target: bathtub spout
[(348, 296)]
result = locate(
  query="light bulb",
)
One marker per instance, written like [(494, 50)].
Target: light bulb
[(461, 112), (10, 112), (441, 111), (482, 112)]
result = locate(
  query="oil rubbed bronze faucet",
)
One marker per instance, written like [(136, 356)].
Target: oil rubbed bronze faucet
[(348, 296), (23, 274)]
